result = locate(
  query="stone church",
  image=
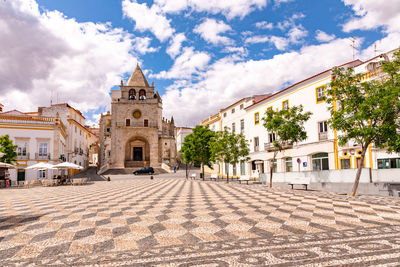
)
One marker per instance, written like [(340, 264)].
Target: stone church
[(135, 133)]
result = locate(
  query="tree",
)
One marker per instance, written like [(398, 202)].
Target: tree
[(8, 148), (366, 112), (197, 147), (287, 125), (187, 152), (230, 148)]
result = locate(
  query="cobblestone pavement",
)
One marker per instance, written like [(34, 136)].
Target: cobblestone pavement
[(178, 222)]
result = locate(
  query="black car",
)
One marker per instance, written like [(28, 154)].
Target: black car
[(144, 170)]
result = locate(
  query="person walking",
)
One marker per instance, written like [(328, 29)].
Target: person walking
[(174, 169)]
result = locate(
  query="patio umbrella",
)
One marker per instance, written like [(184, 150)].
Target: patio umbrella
[(7, 165), (68, 165), (41, 166)]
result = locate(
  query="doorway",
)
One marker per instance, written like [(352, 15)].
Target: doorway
[(138, 153), (21, 175)]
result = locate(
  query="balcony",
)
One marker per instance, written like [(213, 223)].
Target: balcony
[(323, 136), (42, 156), (270, 146), (24, 156)]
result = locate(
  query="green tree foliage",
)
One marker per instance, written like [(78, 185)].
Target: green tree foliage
[(8, 148), (366, 112), (230, 148), (288, 127), (196, 147)]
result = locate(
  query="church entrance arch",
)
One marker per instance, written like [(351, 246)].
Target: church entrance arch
[(137, 152)]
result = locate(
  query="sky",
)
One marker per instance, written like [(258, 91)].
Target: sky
[(202, 55)]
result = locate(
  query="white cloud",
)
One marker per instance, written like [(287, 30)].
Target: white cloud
[(371, 14), (186, 65), (227, 80), (265, 25), (175, 45), (146, 18), (79, 63), (324, 37), (211, 29), (257, 39), (279, 42), (142, 45), (291, 22), (230, 9), (296, 34)]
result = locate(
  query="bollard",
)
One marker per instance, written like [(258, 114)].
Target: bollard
[(108, 178), (151, 177)]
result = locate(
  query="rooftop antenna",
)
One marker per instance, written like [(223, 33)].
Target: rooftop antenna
[(354, 46), (51, 97)]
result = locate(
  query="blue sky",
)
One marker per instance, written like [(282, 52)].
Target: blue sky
[(202, 55)]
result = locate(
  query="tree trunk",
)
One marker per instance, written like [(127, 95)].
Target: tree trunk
[(271, 167), (227, 175), (357, 180), (187, 176), (202, 171)]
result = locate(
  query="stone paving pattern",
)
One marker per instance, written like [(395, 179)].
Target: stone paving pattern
[(178, 222)]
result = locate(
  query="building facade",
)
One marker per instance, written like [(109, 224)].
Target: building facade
[(38, 139), (135, 133), (78, 136), (320, 151)]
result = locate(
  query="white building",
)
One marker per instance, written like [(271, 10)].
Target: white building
[(320, 151), (78, 136), (39, 139), (180, 134)]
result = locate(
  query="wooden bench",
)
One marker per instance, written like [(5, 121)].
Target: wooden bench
[(214, 177), (305, 181), (244, 178)]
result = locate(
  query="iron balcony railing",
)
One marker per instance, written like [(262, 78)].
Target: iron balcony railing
[(323, 136), (151, 125), (42, 156), (23, 156)]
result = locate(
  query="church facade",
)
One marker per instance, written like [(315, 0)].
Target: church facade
[(135, 133)]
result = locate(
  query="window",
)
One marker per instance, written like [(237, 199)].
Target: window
[(345, 163), (256, 118), (233, 110), (271, 137), (21, 149), (289, 164), (142, 94), (320, 161), (241, 106), (146, 123), (42, 174), (389, 163), (242, 126), (128, 122), (322, 130), (323, 127), (224, 114), (320, 94), (242, 168), (233, 127), (42, 149), (256, 144), (132, 94), (75, 129), (285, 105)]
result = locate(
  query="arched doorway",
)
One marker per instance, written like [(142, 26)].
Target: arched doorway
[(137, 152)]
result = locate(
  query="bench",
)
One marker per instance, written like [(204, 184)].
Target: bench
[(244, 178), (305, 181), (214, 177), (193, 176)]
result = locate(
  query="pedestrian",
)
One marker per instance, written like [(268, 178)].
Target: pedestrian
[(174, 169)]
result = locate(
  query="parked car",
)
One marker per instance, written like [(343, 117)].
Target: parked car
[(144, 170)]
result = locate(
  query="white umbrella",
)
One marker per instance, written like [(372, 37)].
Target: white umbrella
[(41, 166), (68, 165), (7, 165)]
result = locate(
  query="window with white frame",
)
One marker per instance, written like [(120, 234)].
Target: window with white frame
[(242, 126), (241, 106), (271, 137), (21, 149), (256, 144), (42, 174), (320, 94), (43, 149), (233, 110), (323, 127), (320, 161), (233, 127)]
